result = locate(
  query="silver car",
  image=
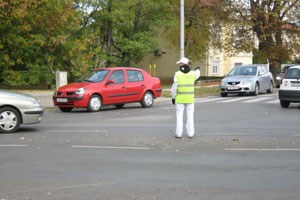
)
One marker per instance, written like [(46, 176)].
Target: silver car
[(18, 108), (247, 79)]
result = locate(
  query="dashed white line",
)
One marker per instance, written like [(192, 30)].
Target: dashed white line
[(110, 147), (62, 187), (254, 149), (13, 145)]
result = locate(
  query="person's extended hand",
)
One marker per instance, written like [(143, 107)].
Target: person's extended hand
[(173, 101)]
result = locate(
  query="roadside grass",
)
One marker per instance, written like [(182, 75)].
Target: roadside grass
[(200, 91)]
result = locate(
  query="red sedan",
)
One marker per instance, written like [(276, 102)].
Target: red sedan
[(109, 86)]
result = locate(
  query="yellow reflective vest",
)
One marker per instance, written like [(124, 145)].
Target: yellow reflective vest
[(185, 87)]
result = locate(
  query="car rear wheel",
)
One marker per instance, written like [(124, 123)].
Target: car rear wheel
[(147, 100), (284, 104), (65, 109), (270, 89), (95, 103), (9, 120)]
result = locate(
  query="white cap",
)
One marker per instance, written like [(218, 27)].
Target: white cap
[(183, 60)]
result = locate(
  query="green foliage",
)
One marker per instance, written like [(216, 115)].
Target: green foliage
[(128, 29), (37, 38)]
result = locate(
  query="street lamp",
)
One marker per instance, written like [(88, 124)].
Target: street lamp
[(181, 28)]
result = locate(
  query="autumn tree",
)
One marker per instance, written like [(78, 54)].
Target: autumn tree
[(274, 25)]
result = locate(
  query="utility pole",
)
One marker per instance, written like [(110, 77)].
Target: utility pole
[(181, 28)]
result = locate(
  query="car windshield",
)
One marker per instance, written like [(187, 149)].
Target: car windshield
[(293, 73), (94, 76), (241, 71)]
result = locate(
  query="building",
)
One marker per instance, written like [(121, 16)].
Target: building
[(162, 62)]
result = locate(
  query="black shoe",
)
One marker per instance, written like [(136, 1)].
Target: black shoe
[(178, 137)]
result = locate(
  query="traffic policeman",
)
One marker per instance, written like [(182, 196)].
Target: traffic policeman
[(182, 93)]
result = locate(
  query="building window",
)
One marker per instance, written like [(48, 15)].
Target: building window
[(238, 64), (215, 67)]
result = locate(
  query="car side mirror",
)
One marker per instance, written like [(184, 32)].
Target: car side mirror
[(260, 73), (110, 82)]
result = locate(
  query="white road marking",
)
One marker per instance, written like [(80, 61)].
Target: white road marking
[(208, 100), (274, 101), (111, 147), (60, 188), (13, 145), (249, 149), (235, 99), (77, 131), (257, 99)]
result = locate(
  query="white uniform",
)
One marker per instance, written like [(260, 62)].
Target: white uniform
[(180, 107)]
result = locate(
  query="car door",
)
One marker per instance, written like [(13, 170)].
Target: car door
[(135, 84), (267, 78), (262, 78), (114, 89)]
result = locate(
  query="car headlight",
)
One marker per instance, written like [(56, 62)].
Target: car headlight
[(36, 103), (80, 91), (223, 83), (246, 82), (278, 78)]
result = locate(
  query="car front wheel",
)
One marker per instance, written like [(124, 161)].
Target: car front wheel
[(284, 104), (223, 94), (256, 90), (95, 103), (147, 100), (270, 89), (9, 120)]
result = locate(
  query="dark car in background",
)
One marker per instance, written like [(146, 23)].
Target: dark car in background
[(109, 86), (281, 74)]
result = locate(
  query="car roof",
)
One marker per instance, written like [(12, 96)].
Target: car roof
[(247, 66), (295, 66), (114, 68)]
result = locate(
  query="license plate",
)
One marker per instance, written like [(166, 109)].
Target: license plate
[(62, 100), (295, 84), (233, 87)]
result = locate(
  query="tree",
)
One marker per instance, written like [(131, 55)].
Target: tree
[(273, 24)]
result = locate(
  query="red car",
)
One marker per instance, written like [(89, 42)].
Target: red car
[(109, 86)]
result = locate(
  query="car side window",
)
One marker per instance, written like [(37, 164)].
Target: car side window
[(259, 71), (264, 69), (134, 75), (117, 76)]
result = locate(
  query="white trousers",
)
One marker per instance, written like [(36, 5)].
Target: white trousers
[(189, 107)]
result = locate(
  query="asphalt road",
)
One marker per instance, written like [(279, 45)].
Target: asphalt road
[(245, 148)]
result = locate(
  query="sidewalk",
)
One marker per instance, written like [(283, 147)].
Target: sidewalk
[(45, 97)]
